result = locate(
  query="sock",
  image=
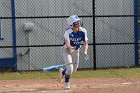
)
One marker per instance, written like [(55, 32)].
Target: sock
[(67, 78), (64, 72)]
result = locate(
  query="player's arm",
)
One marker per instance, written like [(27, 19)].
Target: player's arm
[(85, 47), (68, 44), (69, 47), (85, 43), (67, 41)]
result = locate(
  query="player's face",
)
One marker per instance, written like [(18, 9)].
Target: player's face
[(77, 24)]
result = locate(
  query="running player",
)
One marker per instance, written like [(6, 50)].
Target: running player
[(74, 36)]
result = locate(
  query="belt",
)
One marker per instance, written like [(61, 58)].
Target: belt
[(75, 48)]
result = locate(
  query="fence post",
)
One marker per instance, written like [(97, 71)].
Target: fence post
[(14, 34), (136, 31), (94, 41)]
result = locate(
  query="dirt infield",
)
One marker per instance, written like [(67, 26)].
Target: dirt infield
[(78, 85)]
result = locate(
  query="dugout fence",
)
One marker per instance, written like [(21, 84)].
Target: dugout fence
[(31, 34)]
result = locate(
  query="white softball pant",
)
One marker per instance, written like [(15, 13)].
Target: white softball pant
[(71, 58)]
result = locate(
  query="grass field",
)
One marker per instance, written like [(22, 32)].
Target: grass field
[(119, 72)]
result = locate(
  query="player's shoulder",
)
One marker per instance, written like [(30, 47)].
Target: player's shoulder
[(82, 29), (68, 30)]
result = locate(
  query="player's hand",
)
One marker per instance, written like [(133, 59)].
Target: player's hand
[(86, 57)]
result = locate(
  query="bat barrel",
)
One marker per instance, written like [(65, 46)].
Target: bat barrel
[(52, 67), (55, 67)]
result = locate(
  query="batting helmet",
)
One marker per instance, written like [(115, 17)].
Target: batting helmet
[(72, 19)]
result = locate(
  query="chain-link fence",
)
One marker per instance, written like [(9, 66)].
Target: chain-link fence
[(32, 32)]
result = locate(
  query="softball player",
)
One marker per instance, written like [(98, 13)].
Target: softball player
[(74, 36)]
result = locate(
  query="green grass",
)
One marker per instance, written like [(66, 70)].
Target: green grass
[(119, 72)]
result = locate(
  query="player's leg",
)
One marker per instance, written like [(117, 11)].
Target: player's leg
[(61, 74), (62, 70), (69, 68), (75, 58)]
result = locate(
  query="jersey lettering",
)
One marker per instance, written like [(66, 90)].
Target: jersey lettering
[(75, 37)]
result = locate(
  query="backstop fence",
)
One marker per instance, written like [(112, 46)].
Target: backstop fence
[(31, 32)]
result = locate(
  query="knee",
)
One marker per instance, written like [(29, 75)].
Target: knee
[(69, 70)]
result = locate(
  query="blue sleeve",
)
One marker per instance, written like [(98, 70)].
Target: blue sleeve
[(83, 37)]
